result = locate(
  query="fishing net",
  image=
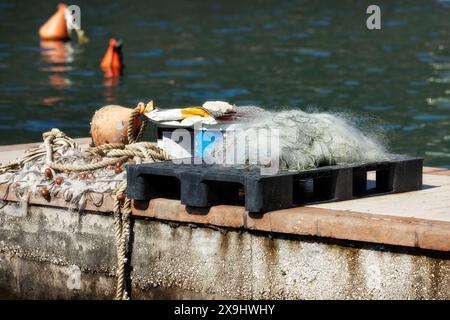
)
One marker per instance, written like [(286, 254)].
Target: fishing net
[(75, 187), (304, 141)]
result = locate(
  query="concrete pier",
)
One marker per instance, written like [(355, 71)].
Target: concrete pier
[(384, 247)]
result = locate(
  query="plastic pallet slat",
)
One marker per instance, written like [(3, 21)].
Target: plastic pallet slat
[(205, 185)]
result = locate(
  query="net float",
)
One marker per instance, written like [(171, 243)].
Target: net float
[(45, 193), (110, 125), (48, 173)]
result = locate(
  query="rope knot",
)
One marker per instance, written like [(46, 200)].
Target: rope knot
[(145, 108), (54, 133)]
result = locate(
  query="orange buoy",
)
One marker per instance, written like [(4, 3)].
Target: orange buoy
[(56, 27), (110, 125), (113, 58)]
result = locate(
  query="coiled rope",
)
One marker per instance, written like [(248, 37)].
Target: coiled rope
[(140, 152)]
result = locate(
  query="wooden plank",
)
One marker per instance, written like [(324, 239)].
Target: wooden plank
[(356, 226), (96, 202)]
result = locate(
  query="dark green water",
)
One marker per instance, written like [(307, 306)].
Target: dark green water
[(274, 54)]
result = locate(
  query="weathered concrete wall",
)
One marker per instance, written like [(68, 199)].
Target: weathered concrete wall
[(53, 253)]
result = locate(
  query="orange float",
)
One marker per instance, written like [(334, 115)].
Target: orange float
[(112, 62), (56, 27), (110, 125)]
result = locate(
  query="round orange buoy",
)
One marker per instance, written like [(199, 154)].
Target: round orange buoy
[(110, 125), (56, 27), (113, 58)]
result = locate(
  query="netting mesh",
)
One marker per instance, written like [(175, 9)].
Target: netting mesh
[(306, 140), (75, 188)]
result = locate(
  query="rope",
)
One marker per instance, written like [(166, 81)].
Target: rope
[(122, 233), (56, 140)]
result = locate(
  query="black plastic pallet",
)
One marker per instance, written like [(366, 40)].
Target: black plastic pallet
[(203, 185)]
